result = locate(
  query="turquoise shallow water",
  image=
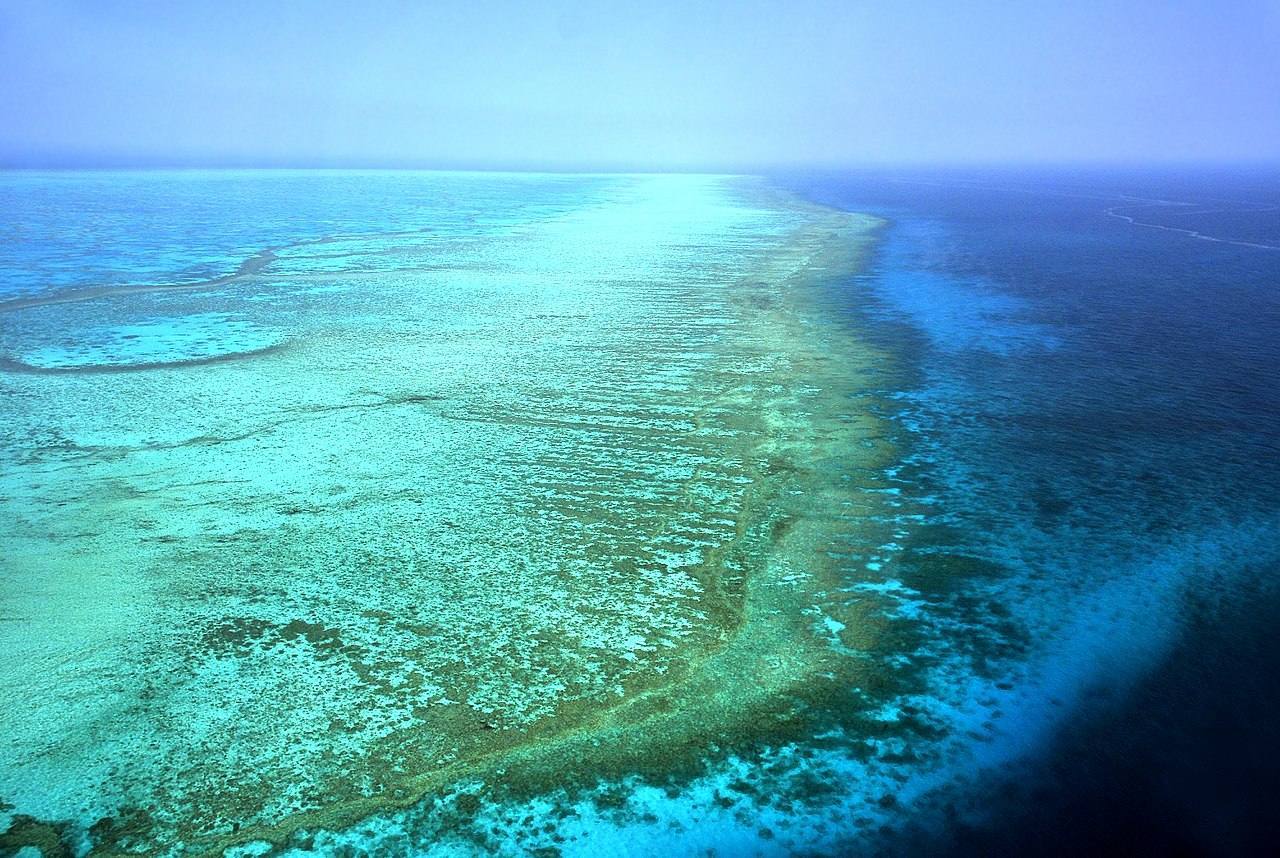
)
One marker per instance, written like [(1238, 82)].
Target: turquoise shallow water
[(332, 517)]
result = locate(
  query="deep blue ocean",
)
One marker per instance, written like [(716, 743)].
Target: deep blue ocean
[(1089, 391)]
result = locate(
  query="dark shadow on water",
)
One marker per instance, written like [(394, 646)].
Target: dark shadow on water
[(1183, 764)]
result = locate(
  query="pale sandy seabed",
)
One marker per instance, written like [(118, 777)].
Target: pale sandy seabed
[(575, 534)]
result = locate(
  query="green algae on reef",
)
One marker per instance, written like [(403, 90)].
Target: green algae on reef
[(543, 506)]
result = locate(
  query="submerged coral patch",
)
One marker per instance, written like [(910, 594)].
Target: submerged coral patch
[(153, 343)]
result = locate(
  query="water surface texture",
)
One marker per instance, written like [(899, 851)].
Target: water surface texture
[(448, 513)]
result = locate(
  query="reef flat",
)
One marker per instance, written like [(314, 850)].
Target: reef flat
[(535, 506)]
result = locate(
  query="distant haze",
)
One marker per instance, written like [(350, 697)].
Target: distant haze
[(648, 85)]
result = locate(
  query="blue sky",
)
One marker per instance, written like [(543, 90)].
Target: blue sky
[(645, 85)]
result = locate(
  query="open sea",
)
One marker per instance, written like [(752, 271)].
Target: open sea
[(385, 513)]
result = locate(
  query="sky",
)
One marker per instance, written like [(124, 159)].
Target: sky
[(665, 84)]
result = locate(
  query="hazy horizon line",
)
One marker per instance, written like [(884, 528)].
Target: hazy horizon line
[(68, 163)]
